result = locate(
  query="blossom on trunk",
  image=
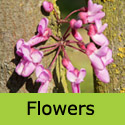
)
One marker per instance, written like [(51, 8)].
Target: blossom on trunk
[(95, 32), (100, 58), (30, 58), (93, 13), (44, 76), (43, 33)]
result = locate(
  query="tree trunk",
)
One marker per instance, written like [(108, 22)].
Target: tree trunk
[(19, 19), (115, 19)]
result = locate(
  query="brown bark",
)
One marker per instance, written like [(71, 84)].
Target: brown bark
[(19, 19)]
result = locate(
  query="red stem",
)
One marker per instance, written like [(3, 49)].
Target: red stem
[(55, 37), (71, 41), (45, 47), (67, 36), (72, 13), (55, 57), (66, 31), (76, 48), (50, 49)]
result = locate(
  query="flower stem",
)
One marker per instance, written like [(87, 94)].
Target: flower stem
[(45, 47), (62, 21), (55, 37), (67, 36), (66, 31), (71, 41), (55, 57), (76, 48), (51, 48), (72, 13)]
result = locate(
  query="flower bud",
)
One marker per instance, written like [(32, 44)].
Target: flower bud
[(48, 6), (67, 64), (77, 35), (78, 24), (75, 24), (72, 22)]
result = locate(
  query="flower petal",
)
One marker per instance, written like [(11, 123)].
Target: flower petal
[(98, 16), (37, 56), (103, 75), (43, 25), (82, 74), (28, 69), (20, 67), (36, 40), (39, 70), (19, 44), (43, 77), (71, 76), (90, 5), (44, 87), (102, 51), (96, 62), (100, 39), (26, 52), (75, 88), (94, 9), (108, 58)]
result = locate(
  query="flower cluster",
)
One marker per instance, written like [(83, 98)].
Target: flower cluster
[(97, 50)]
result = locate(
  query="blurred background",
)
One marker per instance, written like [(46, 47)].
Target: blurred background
[(78, 59)]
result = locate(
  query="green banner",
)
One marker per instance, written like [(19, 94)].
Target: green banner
[(62, 109)]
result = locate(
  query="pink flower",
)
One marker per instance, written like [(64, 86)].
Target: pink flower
[(95, 32), (44, 77), (93, 13), (48, 6), (76, 77), (43, 33), (100, 58), (76, 25), (30, 58)]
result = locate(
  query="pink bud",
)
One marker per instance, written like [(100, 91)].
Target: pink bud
[(48, 6), (72, 22), (78, 24), (67, 64), (77, 35), (75, 24)]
